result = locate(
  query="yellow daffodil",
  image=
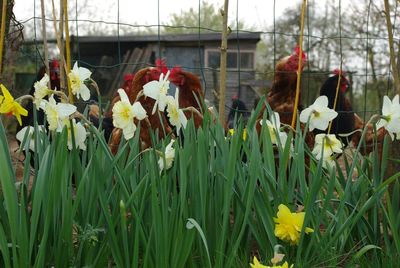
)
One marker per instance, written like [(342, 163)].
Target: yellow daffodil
[(56, 113), (10, 107), (158, 91), (288, 225), (257, 264), (77, 78), (124, 113), (244, 135), (318, 113), (168, 156), (176, 116), (328, 143), (41, 90), (390, 116)]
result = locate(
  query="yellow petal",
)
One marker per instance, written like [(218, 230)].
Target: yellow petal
[(6, 93)]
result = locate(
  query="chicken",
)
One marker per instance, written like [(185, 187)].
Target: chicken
[(191, 94), (344, 122), (157, 122), (281, 97), (347, 120)]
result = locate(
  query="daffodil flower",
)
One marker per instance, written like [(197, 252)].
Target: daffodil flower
[(176, 116), (257, 264), (327, 143), (319, 114), (168, 156), (158, 91), (77, 77), (244, 135), (56, 113), (30, 138), (79, 133), (11, 107), (41, 90), (390, 116), (124, 113), (288, 225), (274, 125)]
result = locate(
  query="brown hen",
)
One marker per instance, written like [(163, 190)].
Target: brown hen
[(155, 122)]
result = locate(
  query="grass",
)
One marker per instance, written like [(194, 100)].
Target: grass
[(213, 208)]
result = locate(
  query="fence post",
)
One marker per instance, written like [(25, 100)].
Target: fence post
[(394, 149), (222, 68)]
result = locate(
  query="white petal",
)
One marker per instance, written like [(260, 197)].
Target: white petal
[(151, 89), (129, 131), (123, 96), (321, 101), (84, 73), (182, 118), (305, 114), (387, 106), (85, 92), (65, 109), (139, 111)]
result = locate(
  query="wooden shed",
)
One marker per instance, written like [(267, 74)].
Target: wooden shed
[(110, 57)]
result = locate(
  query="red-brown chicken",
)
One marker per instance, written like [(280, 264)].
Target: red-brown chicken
[(281, 97), (155, 122), (191, 93)]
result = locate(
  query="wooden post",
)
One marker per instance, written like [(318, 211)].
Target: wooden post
[(224, 48), (394, 149), (296, 101), (68, 51), (3, 32), (393, 64), (45, 47)]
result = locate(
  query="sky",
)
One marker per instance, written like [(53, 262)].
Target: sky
[(257, 14)]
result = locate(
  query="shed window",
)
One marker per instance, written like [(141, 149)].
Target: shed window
[(246, 59)]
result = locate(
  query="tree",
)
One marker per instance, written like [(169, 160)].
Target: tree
[(188, 21)]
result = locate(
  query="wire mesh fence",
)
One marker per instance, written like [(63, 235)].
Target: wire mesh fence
[(112, 45)]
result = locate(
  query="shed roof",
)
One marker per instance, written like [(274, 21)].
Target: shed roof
[(254, 36)]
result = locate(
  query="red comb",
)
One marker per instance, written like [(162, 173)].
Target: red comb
[(303, 55), (162, 65), (293, 61), (345, 82), (174, 71), (338, 71), (129, 77)]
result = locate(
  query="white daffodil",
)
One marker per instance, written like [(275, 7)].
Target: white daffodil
[(176, 116), (168, 155), (327, 143), (329, 162), (79, 133), (56, 112), (124, 113), (158, 91), (274, 125), (390, 116), (30, 138), (77, 77), (41, 90), (319, 114)]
